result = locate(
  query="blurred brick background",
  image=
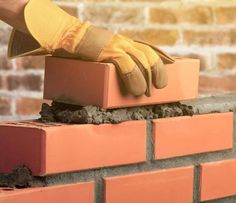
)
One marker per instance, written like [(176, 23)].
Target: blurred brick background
[(202, 29)]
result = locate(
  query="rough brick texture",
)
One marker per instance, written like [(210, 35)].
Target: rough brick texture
[(203, 29)]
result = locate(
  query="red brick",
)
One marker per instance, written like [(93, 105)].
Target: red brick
[(57, 148), (219, 83), (227, 61), (225, 15), (5, 64), (172, 185), (4, 35), (205, 59), (98, 83), (25, 82), (73, 193), (5, 106), (30, 62), (2, 82), (163, 15), (182, 14), (112, 14), (210, 37), (217, 179), (28, 106), (191, 135)]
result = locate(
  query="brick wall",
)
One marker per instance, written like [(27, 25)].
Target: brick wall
[(178, 160), (202, 29)]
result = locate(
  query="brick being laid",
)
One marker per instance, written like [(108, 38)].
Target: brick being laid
[(57, 148), (90, 83), (180, 136), (217, 179), (72, 193), (170, 185)]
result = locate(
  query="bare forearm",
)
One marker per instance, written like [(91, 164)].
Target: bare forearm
[(12, 12)]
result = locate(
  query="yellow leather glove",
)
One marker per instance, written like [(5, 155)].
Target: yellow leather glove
[(57, 33)]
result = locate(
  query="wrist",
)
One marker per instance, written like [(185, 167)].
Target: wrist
[(12, 12)]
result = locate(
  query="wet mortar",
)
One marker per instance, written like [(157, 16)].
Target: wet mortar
[(67, 113), (20, 177)]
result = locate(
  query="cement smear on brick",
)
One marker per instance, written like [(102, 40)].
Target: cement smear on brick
[(66, 113), (20, 177)]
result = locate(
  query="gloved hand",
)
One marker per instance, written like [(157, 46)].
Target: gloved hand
[(57, 33)]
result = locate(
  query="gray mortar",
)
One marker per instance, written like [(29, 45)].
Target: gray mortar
[(20, 177), (218, 103), (223, 103), (223, 200), (149, 143), (67, 113), (196, 184)]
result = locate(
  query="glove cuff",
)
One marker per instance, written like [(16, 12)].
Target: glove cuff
[(46, 23), (21, 44)]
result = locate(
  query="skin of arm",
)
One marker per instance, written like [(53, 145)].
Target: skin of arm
[(12, 13)]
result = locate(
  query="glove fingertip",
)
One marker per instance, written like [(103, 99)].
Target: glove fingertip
[(159, 75), (134, 82)]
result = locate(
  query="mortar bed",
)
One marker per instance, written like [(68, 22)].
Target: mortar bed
[(20, 178), (67, 113)]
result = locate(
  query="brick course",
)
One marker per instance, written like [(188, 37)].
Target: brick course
[(120, 158)]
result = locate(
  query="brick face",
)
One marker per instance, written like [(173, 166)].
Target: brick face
[(5, 64), (174, 185), (210, 38), (217, 179), (5, 106), (191, 135), (73, 193), (25, 82), (217, 84), (28, 106), (226, 61), (30, 62), (2, 82), (195, 14), (226, 15), (93, 89), (4, 35), (90, 146), (113, 14)]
